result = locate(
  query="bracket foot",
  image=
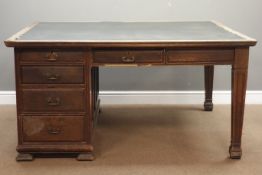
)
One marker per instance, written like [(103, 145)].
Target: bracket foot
[(85, 157), (24, 157)]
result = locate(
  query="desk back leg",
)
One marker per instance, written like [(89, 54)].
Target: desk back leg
[(209, 76)]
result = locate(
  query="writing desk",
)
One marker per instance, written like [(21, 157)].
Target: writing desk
[(57, 65)]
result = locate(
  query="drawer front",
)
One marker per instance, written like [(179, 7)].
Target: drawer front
[(52, 74), (38, 55), (53, 128), (53, 100), (187, 56), (125, 56)]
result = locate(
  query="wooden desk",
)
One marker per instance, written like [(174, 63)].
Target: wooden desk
[(57, 74)]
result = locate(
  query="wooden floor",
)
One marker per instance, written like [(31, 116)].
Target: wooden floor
[(150, 140)]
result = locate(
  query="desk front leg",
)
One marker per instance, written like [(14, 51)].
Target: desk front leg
[(239, 83), (209, 76)]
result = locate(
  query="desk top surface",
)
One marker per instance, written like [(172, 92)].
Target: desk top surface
[(110, 32)]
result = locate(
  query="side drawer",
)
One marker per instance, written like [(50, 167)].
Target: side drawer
[(52, 74), (53, 128), (53, 100), (188, 56), (51, 55), (128, 56)]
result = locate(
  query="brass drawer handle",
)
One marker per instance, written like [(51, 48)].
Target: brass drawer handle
[(128, 59), (52, 77), (53, 101), (52, 56), (54, 131)]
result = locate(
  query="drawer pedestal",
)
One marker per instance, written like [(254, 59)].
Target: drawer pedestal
[(54, 111)]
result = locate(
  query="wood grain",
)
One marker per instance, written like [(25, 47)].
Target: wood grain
[(52, 74), (57, 83), (53, 128), (239, 85), (209, 76)]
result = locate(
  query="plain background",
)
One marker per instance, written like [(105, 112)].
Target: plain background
[(243, 15)]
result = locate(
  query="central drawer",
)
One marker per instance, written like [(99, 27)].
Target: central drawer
[(52, 74), (53, 128), (53, 100), (128, 56)]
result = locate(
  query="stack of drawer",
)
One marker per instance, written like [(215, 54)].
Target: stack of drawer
[(52, 98)]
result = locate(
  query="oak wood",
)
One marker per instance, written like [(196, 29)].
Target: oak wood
[(204, 56), (85, 157), (57, 81), (50, 147), (200, 56), (77, 44), (127, 56), (24, 157), (209, 76), (53, 100), (97, 112), (53, 128), (67, 118), (52, 74), (239, 85), (51, 55)]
